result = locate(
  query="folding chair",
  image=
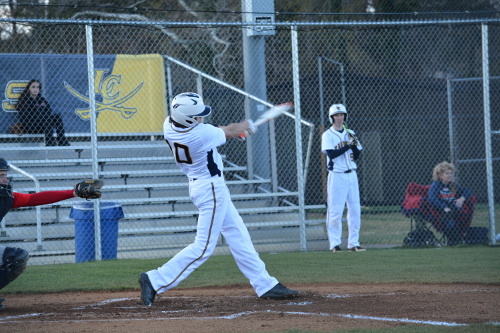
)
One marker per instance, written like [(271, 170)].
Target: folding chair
[(417, 208), (462, 220)]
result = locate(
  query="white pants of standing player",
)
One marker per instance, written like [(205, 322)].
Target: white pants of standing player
[(217, 215), (343, 189)]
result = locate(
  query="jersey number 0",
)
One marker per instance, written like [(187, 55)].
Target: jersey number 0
[(183, 150)]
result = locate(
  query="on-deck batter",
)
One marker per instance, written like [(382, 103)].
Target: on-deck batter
[(342, 148), (194, 146)]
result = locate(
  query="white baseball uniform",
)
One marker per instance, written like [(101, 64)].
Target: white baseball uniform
[(342, 187), (195, 151)]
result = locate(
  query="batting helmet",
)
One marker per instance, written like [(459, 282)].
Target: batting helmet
[(3, 164), (336, 108), (186, 106)]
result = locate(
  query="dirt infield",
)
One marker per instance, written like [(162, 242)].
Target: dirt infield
[(321, 307)]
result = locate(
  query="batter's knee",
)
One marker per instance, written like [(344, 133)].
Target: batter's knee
[(14, 261), (334, 221)]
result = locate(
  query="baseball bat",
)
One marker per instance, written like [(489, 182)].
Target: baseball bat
[(271, 114), (347, 131)]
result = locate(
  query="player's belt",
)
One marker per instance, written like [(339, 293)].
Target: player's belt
[(348, 171), (213, 177)]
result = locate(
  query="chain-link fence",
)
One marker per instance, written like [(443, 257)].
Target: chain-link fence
[(413, 90)]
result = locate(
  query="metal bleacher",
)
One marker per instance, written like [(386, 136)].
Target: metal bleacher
[(141, 175)]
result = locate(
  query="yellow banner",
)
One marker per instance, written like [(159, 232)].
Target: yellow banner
[(133, 95)]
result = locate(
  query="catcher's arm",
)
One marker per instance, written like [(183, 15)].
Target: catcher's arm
[(89, 189)]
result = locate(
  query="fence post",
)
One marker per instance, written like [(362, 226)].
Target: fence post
[(487, 132), (298, 138), (93, 137)]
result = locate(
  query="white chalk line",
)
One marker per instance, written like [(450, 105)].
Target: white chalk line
[(25, 315), (410, 293), (95, 305), (15, 319), (241, 314)]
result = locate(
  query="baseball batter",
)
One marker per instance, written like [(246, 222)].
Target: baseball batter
[(342, 148), (194, 146)]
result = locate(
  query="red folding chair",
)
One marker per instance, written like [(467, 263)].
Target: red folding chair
[(416, 207), (462, 220)]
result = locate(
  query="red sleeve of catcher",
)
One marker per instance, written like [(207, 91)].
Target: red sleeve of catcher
[(20, 199), (40, 198)]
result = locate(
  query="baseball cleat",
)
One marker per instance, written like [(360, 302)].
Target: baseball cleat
[(279, 291), (337, 249), (147, 291), (356, 249), (1, 303)]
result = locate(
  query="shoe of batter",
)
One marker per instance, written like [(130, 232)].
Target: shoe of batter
[(1, 303), (148, 293), (357, 249), (337, 249), (279, 291)]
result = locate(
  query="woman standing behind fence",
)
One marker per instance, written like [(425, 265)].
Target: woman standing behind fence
[(36, 117)]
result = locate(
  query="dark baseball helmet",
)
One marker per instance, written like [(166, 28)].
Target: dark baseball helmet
[(5, 186), (3, 164)]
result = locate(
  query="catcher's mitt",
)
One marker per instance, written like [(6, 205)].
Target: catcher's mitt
[(89, 189)]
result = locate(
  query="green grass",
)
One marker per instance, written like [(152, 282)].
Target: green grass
[(462, 264)]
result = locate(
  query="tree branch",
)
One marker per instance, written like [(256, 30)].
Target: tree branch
[(132, 17)]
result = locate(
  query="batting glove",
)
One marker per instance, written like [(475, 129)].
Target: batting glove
[(353, 142), (252, 128)]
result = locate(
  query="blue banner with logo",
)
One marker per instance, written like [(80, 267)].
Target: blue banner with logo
[(129, 90)]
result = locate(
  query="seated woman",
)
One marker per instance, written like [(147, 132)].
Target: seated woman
[(36, 117), (447, 198)]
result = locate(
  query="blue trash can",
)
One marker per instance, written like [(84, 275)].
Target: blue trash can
[(83, 214)]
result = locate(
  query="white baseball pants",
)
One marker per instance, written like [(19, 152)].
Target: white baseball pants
[(343, 189), (217, 214)]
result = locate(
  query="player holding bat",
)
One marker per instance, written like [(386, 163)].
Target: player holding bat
[(194, 146), (342, 149)]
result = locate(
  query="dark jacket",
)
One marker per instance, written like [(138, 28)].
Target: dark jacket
[(34, 113), (6, 200), (442, 196)]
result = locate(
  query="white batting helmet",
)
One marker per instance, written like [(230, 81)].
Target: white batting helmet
[(186, 106), (336, 108)]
